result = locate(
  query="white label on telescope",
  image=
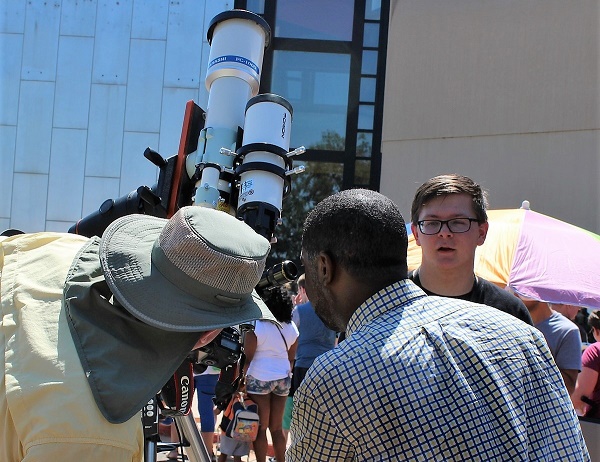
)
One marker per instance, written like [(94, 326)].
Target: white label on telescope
[(246, 189), (235, 59)]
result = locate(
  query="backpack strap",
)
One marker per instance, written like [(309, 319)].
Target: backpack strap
[(281, 333)]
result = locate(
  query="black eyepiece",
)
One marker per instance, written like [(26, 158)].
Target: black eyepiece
[(278, 275)]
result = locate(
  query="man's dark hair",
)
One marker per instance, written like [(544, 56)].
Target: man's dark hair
[(361, 230), (594, 319), (279, 303), (444, 185)]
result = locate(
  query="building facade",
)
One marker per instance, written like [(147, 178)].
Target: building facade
[(507, 93), (385, 96), (87, 86)]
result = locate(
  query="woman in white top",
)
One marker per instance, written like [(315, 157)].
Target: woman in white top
[(270, 352)]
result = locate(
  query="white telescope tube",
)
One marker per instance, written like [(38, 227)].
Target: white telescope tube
[(266, 141), (238, 39), (264, 158)]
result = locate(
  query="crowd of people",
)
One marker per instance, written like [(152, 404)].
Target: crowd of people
[(278, 355), (449, 222), (358, 359)]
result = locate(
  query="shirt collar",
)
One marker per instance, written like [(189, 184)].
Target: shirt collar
[(392, 297)]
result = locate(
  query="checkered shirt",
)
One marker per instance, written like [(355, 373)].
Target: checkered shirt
[(423, 378)]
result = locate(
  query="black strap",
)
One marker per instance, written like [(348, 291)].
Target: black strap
[(176, 395), (281, 333)]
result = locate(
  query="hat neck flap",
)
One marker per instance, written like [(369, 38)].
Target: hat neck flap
[(125, 360)]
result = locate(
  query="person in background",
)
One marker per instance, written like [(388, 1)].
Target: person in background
[(449, 222), (586, 397), (417, 377), (205, 391), (563, 339), (298, 296), (270, 350), (581, 319), (576, 314), (315, 339)]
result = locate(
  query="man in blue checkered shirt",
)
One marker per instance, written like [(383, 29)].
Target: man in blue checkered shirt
[(418, 378)]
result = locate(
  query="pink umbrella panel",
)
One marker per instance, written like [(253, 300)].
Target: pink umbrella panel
[(536, 256)]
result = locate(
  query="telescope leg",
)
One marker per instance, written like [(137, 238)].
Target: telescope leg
[(197, 451)]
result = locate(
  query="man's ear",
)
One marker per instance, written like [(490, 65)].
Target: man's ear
[(415, 233), (483, 230), (325, 268)]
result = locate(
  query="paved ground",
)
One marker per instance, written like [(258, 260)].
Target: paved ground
[(250, 458)]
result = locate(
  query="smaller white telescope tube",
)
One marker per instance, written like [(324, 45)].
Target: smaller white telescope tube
[(264, 162), (267, 141)]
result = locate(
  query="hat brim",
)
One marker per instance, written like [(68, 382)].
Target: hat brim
[(125, 255)]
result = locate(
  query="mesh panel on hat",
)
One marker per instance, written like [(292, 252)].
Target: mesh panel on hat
[(194, 257)]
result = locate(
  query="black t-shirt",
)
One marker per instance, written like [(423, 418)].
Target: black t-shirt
[(486, 293)]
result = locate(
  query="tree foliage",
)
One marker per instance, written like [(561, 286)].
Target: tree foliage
[(318, 181)]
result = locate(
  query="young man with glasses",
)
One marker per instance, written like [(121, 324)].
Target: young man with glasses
[(449, 221)]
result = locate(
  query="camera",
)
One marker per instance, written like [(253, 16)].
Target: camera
[(223, 351)]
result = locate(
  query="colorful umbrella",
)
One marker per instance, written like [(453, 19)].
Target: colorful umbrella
[(537, 256)]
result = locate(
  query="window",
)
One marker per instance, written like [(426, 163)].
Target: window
[(316, 85), (314, 19)]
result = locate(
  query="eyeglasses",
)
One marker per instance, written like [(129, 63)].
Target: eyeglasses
[(456, 225)]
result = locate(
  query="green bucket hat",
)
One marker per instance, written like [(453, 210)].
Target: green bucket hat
[(194, 272)]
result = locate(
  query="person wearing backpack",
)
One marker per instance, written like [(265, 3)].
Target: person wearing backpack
[(228, 445)]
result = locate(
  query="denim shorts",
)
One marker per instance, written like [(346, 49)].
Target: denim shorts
[(279, 387)]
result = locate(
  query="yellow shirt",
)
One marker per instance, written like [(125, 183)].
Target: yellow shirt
[(47, 411)]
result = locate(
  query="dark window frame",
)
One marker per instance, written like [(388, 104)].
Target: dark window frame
[(354, 49)]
